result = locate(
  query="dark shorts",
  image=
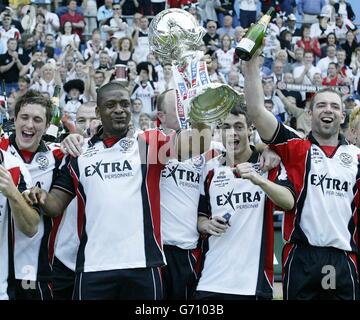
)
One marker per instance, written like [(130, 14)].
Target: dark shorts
[(63, 281), (319, 273), (33, 290), (125, 284), (179, 275)]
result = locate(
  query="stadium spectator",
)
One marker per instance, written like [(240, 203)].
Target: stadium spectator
[(10, 67), (349, 46), (211, 38), (310, 9), (308, 43), (76, 19), (330, 57)]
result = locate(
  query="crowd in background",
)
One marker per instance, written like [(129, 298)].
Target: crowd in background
[(43, 44)]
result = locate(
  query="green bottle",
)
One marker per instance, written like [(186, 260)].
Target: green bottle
[(254, 37), (53, 130)]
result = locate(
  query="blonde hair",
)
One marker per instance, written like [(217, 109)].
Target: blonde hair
[(354, 117), (46, 66)]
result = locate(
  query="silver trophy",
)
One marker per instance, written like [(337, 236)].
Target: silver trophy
[(175, 36)]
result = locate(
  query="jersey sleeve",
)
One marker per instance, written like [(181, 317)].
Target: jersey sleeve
[(65, 178), (283, 142), (204, 208), (25, 181), (279, 176)]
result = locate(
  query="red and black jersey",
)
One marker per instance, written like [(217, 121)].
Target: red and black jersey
[(326, 183), (33, 257), (241, 260), (117, 189)]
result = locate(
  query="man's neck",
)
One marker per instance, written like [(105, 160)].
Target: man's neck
[(331, 142), (242, 157), (120, 135)]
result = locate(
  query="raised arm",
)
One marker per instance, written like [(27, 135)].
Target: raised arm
[(290, 107), (265, 122)]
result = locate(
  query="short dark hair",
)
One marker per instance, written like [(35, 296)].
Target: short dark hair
[(34, 97), (312, 102), (113, 85), (24, 79), (240, 109)]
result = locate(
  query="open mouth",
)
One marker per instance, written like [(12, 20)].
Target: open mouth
[(27, 134), (234, 144), (327, 120)]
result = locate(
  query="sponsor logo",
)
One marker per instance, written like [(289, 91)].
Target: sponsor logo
[(42, 160), (237, 200), (193, 73), (181, 177), (329, 184), (222, 179), (90, 152), (183, 90), (180, 112), (109, 170), (203, 74), (316, 156)]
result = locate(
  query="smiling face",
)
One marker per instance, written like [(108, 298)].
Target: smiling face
[(235, 134), (30, 126), (114, 111), (326, 115)]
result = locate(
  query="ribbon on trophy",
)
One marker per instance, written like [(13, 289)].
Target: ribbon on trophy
[(186, 89)]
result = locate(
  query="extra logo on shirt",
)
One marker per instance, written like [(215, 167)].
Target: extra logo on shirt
[(330, 186), (181, 177), (239, 200), (109, 170)]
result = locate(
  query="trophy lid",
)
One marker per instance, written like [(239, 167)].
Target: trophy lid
[(173, 34)]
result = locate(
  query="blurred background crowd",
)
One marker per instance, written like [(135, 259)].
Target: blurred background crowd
[(81, 45)]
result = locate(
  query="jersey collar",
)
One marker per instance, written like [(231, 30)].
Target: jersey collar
[(99, 138), (254, 158), (341, 139), (41, 148)]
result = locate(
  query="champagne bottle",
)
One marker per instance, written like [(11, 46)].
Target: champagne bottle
[(53, 130), (254, 37), (4, 118)]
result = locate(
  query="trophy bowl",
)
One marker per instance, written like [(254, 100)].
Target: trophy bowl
[(175, 37), (214, 104)]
